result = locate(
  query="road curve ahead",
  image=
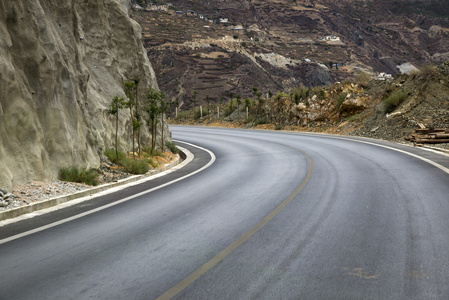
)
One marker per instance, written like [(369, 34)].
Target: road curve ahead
[(278, 215)]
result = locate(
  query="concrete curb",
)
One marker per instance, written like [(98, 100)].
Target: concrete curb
[(16, 212)]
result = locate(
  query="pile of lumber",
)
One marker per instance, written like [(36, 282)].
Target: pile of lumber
[(430, 136)]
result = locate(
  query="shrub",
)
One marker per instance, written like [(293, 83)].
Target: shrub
[(363, 79), (157, 152), (427, 71), (394, 100), (340, 99), (75, 174), (248, 120), (152, 163), (322, 94), (301, 94), (279, 127), (353, 118), (148, 153), (183, 114), (135, 166), (110, 153), (260, 121), (197, 115), (172, 147), (228, 111)]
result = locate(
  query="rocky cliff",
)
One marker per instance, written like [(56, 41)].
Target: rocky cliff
[(61, 63)]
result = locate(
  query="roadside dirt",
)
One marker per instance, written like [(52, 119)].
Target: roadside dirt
[(35, 191)]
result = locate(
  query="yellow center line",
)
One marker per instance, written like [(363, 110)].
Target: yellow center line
[(179, 287)]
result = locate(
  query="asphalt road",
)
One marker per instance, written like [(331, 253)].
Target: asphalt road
[(276, 216)]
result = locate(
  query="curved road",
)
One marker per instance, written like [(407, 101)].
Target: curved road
[(276, 216)]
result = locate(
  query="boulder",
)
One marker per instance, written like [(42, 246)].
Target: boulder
[(353, 105)]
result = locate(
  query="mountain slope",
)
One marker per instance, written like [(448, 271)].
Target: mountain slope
[(292, 42)]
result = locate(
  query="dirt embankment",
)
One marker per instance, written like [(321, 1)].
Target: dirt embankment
[(383, 109)]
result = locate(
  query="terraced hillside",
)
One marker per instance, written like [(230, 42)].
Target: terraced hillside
[(221, 47)]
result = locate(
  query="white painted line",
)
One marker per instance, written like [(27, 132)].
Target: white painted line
[(444, 169), (213, 158)]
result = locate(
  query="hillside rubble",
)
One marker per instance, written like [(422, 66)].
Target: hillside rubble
[(351, 108)]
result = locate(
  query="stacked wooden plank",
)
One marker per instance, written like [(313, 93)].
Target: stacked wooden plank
[(430, 136)]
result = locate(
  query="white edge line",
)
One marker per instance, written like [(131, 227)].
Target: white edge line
[(187, 160), (444, 169)]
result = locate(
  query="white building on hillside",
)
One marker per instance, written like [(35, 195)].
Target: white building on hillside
[(384, 76), (332, 38)]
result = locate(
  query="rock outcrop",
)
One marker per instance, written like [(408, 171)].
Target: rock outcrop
[(61, 63)]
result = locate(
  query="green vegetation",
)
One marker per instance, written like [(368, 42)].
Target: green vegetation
[(75, 174), (155, 107), (151, 162), (197, 115), (301, 94), (340, 99), (427, 71), (260, 121), (353, 118), (142, 2), (183, 114), (279, 127), (363, 79), (394, 100), (152, 152), (116, 104), (248, 120), (172, 147), (135, 166), (114, 156)]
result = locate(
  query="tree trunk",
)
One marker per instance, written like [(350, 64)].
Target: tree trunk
[(116, 137), (153, 138), (162, 132), (132, 127)]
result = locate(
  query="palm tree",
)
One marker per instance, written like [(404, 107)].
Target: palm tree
[(130, 94), (153, 109), (116, 104)]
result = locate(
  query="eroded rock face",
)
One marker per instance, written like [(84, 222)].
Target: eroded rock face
[(61, 63)]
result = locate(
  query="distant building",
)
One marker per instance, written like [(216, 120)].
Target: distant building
[(154, 7), (191, 13), (384, 76), (224, 20), (332, 38)]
